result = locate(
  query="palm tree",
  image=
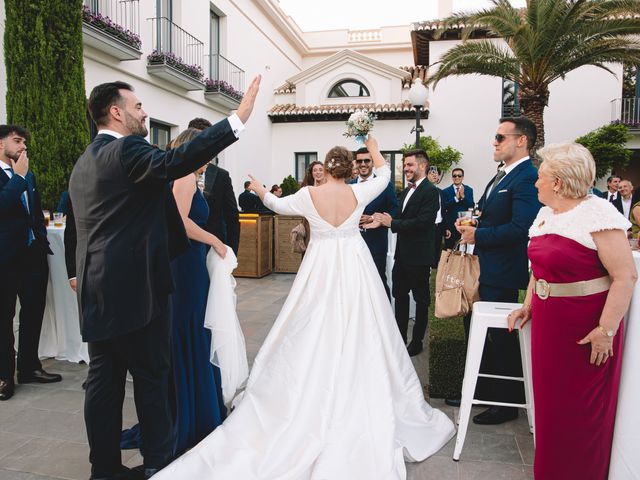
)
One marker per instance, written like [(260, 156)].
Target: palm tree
[(544, 41)]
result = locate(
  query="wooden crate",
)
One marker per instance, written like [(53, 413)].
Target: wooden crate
[(256, 244), (286, 261)]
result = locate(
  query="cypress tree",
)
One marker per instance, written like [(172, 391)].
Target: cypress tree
[(45, 87)]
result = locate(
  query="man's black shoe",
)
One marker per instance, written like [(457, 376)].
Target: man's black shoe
[(143, 472), (452, 402), (414, 348), (39, 376), (6, 389), (496, 416), (123, 474)]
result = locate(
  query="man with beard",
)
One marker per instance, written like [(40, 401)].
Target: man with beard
[(377, 239), (24, 271), (508, 207), (415, 225), (128, 228)]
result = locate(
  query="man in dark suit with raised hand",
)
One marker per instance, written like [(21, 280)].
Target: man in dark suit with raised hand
[(24, 271), (119, 190), (508, 207), (415, 225), (458, 197), (377, 239)]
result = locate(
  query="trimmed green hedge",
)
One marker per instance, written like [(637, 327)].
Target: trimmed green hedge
[(45, 87)]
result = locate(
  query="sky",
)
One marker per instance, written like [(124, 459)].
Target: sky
[(311, 15)]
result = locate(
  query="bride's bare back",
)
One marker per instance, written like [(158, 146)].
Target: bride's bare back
[(334, 201)]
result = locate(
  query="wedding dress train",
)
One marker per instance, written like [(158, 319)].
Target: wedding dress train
[(333, 393)]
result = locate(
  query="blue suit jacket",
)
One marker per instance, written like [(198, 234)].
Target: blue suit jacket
[(15, 221), (450, 207), (503, 231), (377, 239)]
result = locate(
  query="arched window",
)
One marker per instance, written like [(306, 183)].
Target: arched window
[(348, 88)]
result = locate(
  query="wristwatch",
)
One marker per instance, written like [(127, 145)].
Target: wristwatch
[(606, 333)]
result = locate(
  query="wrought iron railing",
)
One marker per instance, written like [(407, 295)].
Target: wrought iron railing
[(224, 74), (626, 111), (119, 18), (176, 47)]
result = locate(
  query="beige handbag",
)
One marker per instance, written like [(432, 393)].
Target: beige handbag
[(457, 283), (299, 238)]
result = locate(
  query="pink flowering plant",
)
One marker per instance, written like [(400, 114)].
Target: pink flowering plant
[(222, 87), (157, 57), (104, 23)]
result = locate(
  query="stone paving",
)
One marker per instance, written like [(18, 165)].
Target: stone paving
[(42, 434)]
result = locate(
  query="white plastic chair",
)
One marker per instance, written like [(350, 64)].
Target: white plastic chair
[(491, 315)]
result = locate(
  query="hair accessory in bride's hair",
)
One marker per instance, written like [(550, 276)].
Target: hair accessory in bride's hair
[(331, 164)]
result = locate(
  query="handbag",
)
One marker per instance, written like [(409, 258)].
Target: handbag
[(457, 283), (299, 238)]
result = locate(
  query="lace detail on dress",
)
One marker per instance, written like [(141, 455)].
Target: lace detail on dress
[(592, 215)]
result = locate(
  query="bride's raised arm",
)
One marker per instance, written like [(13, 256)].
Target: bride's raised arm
[(367, 191), (289, 205)]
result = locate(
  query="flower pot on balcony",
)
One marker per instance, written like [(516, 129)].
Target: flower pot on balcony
[(106, 42), (174, 75), (222, 99)]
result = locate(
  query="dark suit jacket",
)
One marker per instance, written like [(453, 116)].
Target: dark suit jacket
[(70, 242), (223, 219), (15, 220), (377, 239), (122, 204), (503, 230), (616, 203), (450, 207), (415, 225), (250, 203)]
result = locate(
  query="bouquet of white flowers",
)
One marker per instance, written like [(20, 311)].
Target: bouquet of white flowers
[(359, 125)]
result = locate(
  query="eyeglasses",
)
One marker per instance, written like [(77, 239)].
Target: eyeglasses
[(456, 175), (500, 137), (363, 160)]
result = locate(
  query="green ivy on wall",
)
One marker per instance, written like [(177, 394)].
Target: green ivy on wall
[(45, 87)]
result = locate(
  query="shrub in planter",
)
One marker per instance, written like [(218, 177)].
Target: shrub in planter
[(102, 22), (222, 87), (289, 186)]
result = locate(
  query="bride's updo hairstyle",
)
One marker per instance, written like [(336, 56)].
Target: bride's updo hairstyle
[(337, 163), (573, 164)]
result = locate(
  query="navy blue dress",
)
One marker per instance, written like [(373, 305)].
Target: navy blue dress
[(199, 404)]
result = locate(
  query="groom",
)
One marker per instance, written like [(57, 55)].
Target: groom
[(414, 223), (127, 223)]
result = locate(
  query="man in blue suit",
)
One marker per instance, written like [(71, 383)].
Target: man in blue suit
[(24, 271), (508, 207), (457, 197), (387, 202)]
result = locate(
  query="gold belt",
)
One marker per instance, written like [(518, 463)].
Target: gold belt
[(583, 288)]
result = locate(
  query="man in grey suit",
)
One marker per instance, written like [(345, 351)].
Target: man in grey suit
[(128, 228)]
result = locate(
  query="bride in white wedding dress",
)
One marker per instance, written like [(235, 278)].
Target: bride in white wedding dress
[(332, 394)]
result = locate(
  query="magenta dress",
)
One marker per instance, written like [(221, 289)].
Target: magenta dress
[(575, 402)]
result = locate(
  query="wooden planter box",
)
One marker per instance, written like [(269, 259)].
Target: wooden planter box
[(285, 260), (256, 244)]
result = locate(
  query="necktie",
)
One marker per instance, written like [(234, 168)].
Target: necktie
[(23, 199), (499, 176), (412, 185), (611, 197)]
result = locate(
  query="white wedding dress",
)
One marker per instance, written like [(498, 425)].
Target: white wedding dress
[(333, 394)]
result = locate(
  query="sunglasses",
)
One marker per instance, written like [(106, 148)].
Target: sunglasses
[(456, 175), (363, 160), (500, 137)]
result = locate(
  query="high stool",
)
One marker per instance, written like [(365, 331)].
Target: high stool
[(491, 315)]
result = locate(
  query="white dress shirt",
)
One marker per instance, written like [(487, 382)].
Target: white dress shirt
[(410, 192), (626, 207)]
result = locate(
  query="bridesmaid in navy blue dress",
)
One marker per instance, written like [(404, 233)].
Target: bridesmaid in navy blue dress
[(199, 405)]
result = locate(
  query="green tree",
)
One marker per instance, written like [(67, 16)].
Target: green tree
[(45, 87), (289, 186), (442, 157), (607, 145), (544, 42)]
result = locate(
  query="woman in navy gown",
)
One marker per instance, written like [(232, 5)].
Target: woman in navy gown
[(199, 407)]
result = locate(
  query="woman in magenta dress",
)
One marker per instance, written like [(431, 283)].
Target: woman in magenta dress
[(577, 330)]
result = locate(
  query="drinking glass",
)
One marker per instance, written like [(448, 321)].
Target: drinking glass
[(466, 217), (47, 217), (57, 219)]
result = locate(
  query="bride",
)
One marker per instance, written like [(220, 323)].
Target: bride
[(332, 394)]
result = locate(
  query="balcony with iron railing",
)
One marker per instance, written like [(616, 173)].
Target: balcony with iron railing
[(177, 55), (225, 85), (626, 111), (113, 27)]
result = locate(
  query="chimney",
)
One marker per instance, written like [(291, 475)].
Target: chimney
[(445, 8)]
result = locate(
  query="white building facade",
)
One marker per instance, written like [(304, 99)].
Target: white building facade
[(311, 82)]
